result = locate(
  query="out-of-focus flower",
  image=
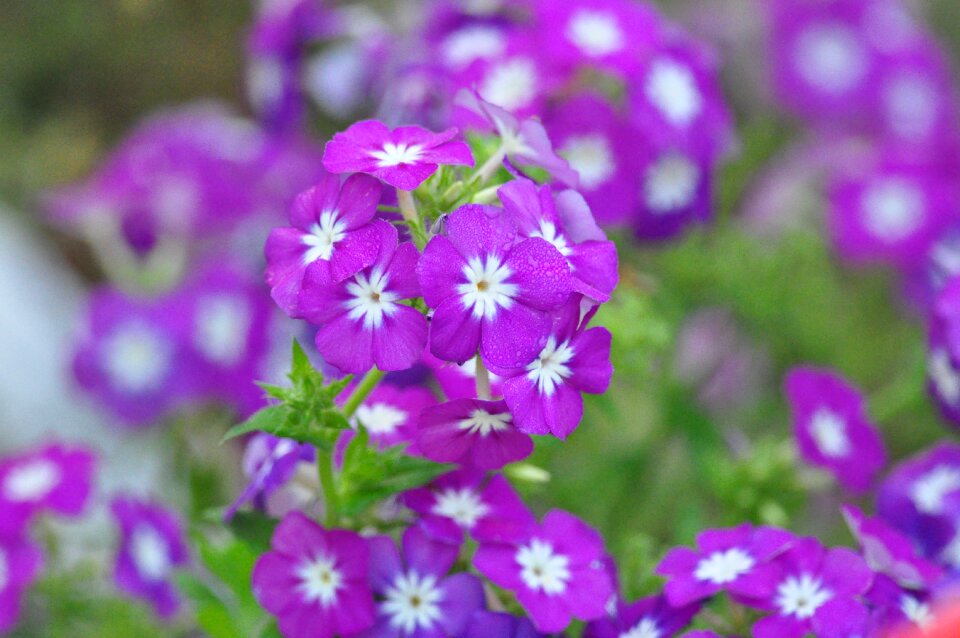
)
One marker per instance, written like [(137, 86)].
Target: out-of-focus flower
[(471, 432)]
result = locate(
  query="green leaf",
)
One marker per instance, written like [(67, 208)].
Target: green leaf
[(269, 419), (217, 622), (301, 367), (253, 528)]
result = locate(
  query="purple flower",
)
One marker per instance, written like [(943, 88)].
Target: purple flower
[(268, 463), (152, 545), (896, 608), (817, 591), (460, 381), (390, 414), (315, 580), (331, 230), (545, 396), (471, 432), (362, 319), (674, 188), (566, 222), (943, 375), (491, 624), (20, 563), (403, 157), (459, 502), (888, 551), (831, 427), (416, 597), (946, 317), (54, 478), (490, 291), (736, 560), (652, 616), (516, 81), (556, 570)]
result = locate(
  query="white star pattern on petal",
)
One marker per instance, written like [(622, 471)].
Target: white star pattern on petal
[(483, 423), (150, 553), (31, 481), (671, 183), (323, 236), (829, 432), (319, 580), (929, 490), (370, 301), (550, 368), (646, 628), (486, 289), (413, 601), (462, 505), (596, 33), (396, 154), (801, 597), (672, 88), (724, 567), (541, 569), (591, 157)]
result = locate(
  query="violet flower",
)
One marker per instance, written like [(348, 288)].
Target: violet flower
[(492, 624), (268, 463), (652, 616), (20, 564)]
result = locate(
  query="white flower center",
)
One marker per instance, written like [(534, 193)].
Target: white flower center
[(945, 379), (646, 628), (463, 47), (548, 232), (322, 237), (136, 358), (542, 569), (892, 209), (830, 58), (550, 368), (370, 300), (462, 505), (511, 84), (591, 157), (916, 612), (801, 597), (413, 601), (671, 183), (486, 289), (222, 325), (150, 553), (911, 105), (380, 418), (672, 88), (483, 423), (724, 567), (929, 490), (31, 481), (829, 432), (596, 33), (319, 580), (396, 154)]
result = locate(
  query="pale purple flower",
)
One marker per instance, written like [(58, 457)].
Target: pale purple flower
[(391, 412), (556, 570), (545, 395), (363, 320), (460, 502), (817, 591), (736, 560), (652, 616), (566, 221), (152, 547), (416, 597), (269, 462), (403, 157), (20, 564), (473, 433), (314, 580), (55, 478), (493, 624), (330, 229), (832, 428), (490, 291)]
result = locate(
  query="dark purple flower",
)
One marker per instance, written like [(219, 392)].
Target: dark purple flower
[(652, 616), (403, 157), (817, 591), (152, 546), (831, 427), (471, 432), (20, 563), (315, 580), (330, 230), (736, 560), (416, 596), (268, 463), (362, 319), (556, 570), (674, 187), (492, 624), (54, 478), (490, 291)]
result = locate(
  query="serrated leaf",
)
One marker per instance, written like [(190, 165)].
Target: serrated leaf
[(275, 391), (269, 419), (301, 367)]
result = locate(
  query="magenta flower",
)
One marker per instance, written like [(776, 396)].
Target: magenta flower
[(330, 229), (152, 546), (362, 319), (736, 560), (20, 563), (566, 222), (832, 429), (403, 157), (652, 616), (315, 580), (556, 570), (493, 624), (417, 597), (490, 291), (817, 591), (459, 502), (268, 463), (390, 413), (674, 186), (55, 478), (545, 396), (473, 433)]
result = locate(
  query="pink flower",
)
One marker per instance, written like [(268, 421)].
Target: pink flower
[(403, 157)]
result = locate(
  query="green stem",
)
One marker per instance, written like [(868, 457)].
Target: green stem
[(483, 380), (331, 500), (362, 391), (489, 168), (408, 207)]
